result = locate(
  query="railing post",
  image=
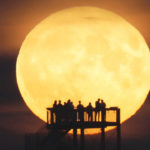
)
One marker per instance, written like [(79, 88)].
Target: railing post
[(47, 117), (82, 139), (103, 138), (118, 130), (103, 113), (75, 138), (52, 120)]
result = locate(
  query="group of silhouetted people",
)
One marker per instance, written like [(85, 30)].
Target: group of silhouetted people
[(64, 112), (67, 113)]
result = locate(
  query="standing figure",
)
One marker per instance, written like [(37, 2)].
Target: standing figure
[(103, 105), (55, 104), (64, 112), (59, 112), (70, 110), (97, 109), (55, 109), (80, 110), (89, 110)]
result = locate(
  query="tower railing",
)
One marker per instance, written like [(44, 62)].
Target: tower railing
[(108, 115)]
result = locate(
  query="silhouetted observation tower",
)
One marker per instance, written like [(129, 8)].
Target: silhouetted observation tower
[(62, 118)]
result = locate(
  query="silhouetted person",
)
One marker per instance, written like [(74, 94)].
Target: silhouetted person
[(103, 105), (70, 110), (97, 109), (55, 104), (59, 112), (89, 110), (59, 105), (65, 104), (80, 110), (55, 108), (64, 112), (69, 104)]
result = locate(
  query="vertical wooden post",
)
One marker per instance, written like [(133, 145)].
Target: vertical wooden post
[(82, 139), (37, 142), (47, 117), (75, 139), (103, 129), (26, 142), (118, 130), (103, 137), (52, 117)]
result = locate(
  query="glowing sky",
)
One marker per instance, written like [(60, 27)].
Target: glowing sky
[(18, 17)]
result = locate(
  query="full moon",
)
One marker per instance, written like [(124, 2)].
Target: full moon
[(84, 53)]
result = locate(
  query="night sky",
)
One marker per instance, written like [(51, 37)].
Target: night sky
[(17, 18)]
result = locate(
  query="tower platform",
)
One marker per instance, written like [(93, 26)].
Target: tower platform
[(104, 118), (56, 128)]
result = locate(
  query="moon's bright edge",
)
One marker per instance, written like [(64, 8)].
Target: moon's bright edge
[(84, 53)]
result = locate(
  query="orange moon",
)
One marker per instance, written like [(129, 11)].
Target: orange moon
[(84, 53)]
